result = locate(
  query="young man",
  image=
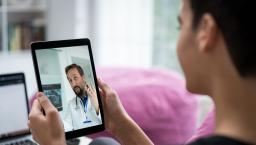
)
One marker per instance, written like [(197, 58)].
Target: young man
[(83, 109), (217, 53)]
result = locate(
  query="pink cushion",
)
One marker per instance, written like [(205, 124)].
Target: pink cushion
[(157, 100)]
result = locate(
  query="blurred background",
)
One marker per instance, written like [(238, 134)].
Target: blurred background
[(123, 33), (139, 33)]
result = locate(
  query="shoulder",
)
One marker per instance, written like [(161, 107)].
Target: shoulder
[(201, 141), (218, 140)]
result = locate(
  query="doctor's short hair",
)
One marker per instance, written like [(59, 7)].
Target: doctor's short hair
[(78, 67)]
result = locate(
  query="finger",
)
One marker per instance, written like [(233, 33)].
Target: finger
[(92, 88), (102, 98), (36, 109), (28, 124), (108, 91), (45, 103), (101, 92), (88, 89), (103, 86), (91, 91), (39, 94)]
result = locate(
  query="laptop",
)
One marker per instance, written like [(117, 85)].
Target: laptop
[(14, 110)]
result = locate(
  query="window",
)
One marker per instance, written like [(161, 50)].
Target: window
[(137, 33), (166, 34)]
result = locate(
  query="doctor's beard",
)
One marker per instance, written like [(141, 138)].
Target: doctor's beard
[(78, 91)]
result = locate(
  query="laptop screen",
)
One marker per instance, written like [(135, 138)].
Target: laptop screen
[(13, 105)]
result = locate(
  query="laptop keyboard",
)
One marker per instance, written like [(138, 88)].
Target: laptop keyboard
[(74, 141), (22, 142)]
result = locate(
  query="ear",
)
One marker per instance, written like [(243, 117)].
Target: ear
[(206, 33)]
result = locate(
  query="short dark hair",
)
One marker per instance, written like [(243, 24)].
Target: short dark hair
[(235, 19), (78, 67)]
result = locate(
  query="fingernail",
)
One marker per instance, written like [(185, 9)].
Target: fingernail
[(39, 94)]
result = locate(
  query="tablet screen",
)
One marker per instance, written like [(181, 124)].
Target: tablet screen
[(67, 78)]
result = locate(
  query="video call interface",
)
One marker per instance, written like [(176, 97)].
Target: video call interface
[(14, 108), (67, 80)]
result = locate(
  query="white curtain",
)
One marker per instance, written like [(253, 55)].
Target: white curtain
[(123, 32)]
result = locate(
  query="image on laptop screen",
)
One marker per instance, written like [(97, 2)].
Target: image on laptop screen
[(14, 105)]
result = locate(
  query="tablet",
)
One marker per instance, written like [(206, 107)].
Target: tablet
[(65, 73)]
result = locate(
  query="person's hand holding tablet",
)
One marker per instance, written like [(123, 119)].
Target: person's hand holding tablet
[(45, 126)]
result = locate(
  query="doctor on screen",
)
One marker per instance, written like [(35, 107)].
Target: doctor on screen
[(83, 110)]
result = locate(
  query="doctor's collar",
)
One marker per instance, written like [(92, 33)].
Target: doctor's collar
[(83, 97)]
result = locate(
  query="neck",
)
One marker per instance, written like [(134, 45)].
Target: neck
[(235, 100)]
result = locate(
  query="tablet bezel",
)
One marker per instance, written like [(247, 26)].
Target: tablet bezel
[(70, 43)]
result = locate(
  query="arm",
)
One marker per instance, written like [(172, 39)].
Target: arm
[(117, 121)]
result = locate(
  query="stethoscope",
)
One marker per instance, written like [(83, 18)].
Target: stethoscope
[(85, 109), (85, 105)]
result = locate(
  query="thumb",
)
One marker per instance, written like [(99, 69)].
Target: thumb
[(36, 110), (45, 103)]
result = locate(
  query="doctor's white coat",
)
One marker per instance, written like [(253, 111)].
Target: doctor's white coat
[(76, 116)]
